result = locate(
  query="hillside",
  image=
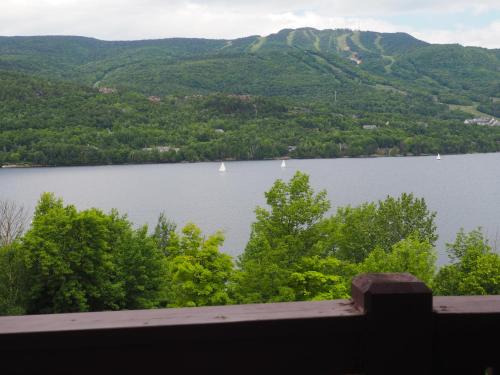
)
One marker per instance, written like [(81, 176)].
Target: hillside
[(298, 93), (279, 64)]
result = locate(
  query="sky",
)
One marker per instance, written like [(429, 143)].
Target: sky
[(468, 22)]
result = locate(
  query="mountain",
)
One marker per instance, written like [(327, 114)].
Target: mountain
[(289, 62), (300, 93)]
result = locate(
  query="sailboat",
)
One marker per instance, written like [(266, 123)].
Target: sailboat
[(283, 164), (438, 157), (222, 167)]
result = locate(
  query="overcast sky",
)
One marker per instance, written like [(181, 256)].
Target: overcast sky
[(468, 22)]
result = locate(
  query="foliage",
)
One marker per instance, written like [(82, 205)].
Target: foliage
[(321, 278), (164, 234), (13, 280), (141, 266), (288, 63), (72, 260), (404, 216), (356, 231), (411, 255), (280, 240), (251, 98), (474, 268), (295, 253), (492, 108), (87, 261), (198, 274)]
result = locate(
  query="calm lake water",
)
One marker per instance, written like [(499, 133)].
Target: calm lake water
[(463, 189)]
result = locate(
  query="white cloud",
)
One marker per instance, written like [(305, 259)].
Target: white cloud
[(354, 7), (140, 19), (291, 20), (487, 36)]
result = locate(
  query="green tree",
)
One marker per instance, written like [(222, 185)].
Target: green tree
[(350, 234), (474, 268), (88, 261), (198, 274), (356, 231), (141, 267), (410, 255), (13, 280), (398, 218), (281, 237), (317, 278), (164, 233), (70, 262)]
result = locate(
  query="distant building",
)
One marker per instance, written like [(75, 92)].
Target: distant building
[(107, 90), (219, 130), (369, 127), (161, 149), (154, 99), (292, 148), (297, 110), (244, 98), (483, 121), (355, 58), (197, 96)]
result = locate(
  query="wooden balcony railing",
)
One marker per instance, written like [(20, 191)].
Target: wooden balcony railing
[(393, 325)]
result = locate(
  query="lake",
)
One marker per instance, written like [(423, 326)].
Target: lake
[(463, 189)]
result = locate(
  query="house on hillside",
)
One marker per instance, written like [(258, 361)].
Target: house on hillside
[(483, 121), (243, 98), (154, 99), (161, 149), (107, 90)]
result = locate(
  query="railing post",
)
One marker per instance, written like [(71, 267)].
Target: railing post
[(398, 334)]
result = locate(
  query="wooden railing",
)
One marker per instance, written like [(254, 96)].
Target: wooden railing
[(393, 325)]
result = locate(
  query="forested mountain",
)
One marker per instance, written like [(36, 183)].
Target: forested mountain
[(289, 57), (299, 93)]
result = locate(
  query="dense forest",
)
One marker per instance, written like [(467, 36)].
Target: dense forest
[(69, 260), (301, 93)]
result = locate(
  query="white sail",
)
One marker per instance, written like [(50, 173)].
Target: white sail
[(222, 167), (283, 164), (438, 157)]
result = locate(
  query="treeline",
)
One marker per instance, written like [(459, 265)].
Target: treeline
[(492, 108), (70, 260), (53, 124)]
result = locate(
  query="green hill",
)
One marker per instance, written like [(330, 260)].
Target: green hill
[(286, 63), (301, 93)]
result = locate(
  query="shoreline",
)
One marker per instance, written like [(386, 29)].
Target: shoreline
[(27, 166)]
